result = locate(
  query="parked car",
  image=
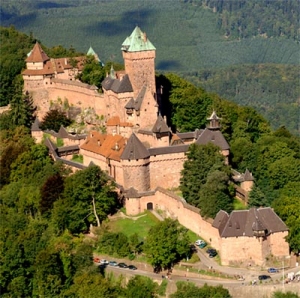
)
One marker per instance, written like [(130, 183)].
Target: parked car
[(103, 262), (264, 277), (132, 267), (212, 254), (96, 260), (210, 250), (273, 270), (199, 242), (122, 265), (113, 263), (202, 244)]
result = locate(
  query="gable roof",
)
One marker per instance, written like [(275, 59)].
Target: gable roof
[(136, 104), (253, 222), (135, 149), (137, 42), (109, 146), (160, 125), (117, 85), (37, 54), (212, 136)]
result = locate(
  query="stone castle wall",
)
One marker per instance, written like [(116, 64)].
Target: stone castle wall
[(165, 170), (283, 248), (150, 140), (77, 95), (175, 207)]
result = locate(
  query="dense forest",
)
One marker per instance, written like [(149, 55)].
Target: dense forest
[(46, 210), (237, 43), (244, 18)]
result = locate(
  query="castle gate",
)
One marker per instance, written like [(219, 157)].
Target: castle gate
[(150, 206)]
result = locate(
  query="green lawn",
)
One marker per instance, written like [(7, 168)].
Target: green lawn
[(129, 226)]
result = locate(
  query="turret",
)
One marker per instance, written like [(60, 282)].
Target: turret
[(135, 161), (36, 58)]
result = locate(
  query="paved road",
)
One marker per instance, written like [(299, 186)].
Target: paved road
[(174, 278)]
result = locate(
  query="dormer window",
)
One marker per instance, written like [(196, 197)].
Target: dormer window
[(129, 111)]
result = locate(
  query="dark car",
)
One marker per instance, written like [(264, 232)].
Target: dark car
[(273, 270), (264, 277), (211, 250), (132, 267), (212, 254), (122, 265)]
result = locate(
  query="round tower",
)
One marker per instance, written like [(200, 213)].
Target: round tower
[(135, 161), (139, 59)]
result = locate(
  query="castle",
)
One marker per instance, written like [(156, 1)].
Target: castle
[(140, 152)]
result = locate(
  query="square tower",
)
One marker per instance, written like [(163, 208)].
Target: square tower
[(139, 59)]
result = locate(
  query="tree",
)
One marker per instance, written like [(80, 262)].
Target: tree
[(88, 198), (21, 106), (187, 290), (14, 143), (189, 104), (89, 283), (50, 192), (166, 243), (201, 160), (54, 119), (288, 209), (114, 244), (215, 195), (30, 163), (93, 72), (257, 198), (141, 287)]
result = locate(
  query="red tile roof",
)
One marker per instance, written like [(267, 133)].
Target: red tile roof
[(37, 54), (115, 121), (109, 146)]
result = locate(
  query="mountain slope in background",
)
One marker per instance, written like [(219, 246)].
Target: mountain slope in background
[(192, 38)]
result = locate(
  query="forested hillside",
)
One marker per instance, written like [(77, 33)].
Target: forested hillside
[(272, 89), (213, 37), (45, 209)]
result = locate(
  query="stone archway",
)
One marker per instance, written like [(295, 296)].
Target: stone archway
[(150, 206)]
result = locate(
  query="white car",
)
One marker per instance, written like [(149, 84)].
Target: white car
[(199, 242), (103, 262)]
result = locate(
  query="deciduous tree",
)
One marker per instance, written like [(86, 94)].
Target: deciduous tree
[(166, 243)]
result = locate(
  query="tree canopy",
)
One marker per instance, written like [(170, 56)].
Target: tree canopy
[(204, 180), (166, 243), (188, 289)]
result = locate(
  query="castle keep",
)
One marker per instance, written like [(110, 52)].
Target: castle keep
[(139, 151)]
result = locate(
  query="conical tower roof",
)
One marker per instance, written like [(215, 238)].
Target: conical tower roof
[(37, 54), (160, 125), (91, 51), (137, 42), (135, 149), (248, 176)]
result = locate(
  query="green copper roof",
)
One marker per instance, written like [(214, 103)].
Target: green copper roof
[(137, 42), (91, 51)]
